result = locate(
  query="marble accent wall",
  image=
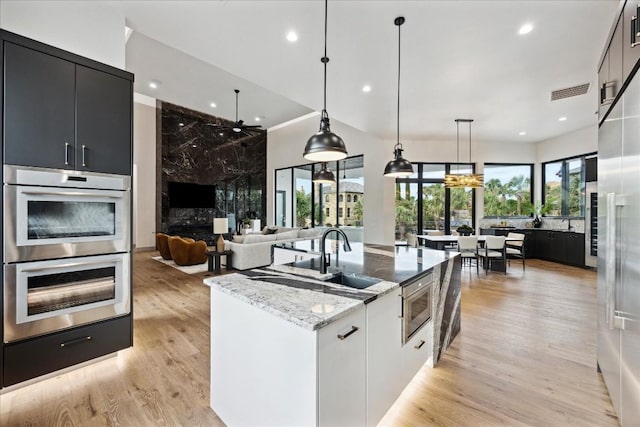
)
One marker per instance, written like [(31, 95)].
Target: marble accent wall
[(447, 314), (548, 223), (198, 148)]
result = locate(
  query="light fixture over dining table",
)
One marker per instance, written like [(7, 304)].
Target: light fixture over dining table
[(463, 180)]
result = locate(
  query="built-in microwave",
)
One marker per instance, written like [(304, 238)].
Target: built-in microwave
[(416, 305)]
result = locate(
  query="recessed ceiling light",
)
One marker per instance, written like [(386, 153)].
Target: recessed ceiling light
[(366, 88), (525, 29), (194, 145), (213, 105), (153, 85), (562, 119), (221, 134), (257, 119), (522, 133), (292, 36), (180, 124)]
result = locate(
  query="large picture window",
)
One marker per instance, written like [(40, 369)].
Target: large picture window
[(423, 204), (563, 193), (508, 189), (302, 203)]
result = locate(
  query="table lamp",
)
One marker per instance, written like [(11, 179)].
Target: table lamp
[(220, 226)]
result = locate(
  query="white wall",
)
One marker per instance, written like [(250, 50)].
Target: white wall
[(144, 172), (91, 29), (582, 141), (285, 146)]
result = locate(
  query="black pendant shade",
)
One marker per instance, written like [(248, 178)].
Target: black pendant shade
[(324, 175), (399, 167), (325, 146)]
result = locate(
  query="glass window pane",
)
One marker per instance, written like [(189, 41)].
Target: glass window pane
[(325, 210), (433, 207), (302, 201), (553, 188), (352, 187), (576, 188), (507, 190), (461, 207), (432, 171), (406, 210), (283, 197)]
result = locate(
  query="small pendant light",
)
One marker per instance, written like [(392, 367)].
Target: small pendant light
[(463, 180), (325, 146), (324, 175), (398, 167)]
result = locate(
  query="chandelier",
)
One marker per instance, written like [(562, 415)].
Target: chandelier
[(463, 180)]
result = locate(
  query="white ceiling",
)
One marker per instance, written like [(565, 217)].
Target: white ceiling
[(460, 59)]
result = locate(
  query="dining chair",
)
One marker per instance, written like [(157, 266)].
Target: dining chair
[(412, 240), (515, 248), (468, 248), (494, 250)]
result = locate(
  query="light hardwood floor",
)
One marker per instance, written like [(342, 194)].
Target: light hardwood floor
[(525, 356)]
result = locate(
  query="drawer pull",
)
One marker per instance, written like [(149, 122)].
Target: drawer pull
[(419, 345), (76, 341), (84, 149), (343, 336), (66, 153)]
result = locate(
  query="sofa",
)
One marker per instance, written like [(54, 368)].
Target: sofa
[(254, 250)]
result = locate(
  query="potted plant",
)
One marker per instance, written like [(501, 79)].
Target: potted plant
[(464, 230)]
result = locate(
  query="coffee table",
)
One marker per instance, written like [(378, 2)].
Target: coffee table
[(215, 261)]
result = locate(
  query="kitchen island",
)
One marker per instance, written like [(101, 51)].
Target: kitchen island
[(288, 347)]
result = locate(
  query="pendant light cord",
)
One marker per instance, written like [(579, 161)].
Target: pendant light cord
[(325, 59), (457, 146), (398, 110), (237, 91)]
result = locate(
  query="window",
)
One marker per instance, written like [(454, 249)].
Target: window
[(563, 193), (301, 202), (424, 204), (508, 189)]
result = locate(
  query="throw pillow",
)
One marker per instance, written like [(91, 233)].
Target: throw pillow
[(238, 239)]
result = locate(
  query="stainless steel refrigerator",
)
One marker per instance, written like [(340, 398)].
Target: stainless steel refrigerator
[(619, 254)]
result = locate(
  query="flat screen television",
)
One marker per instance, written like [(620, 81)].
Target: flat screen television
[(185, 195)]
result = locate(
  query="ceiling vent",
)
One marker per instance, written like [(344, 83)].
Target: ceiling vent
[(570, 91)]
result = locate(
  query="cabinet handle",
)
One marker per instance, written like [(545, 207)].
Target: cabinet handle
[(66, 153), (76, 341), (419, 345), (401, 307), (634, 30), (84, 149), (352, 331)]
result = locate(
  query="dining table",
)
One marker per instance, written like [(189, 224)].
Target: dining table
[(439, 242)]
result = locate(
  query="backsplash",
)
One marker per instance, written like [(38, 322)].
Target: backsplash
[(548, 223)]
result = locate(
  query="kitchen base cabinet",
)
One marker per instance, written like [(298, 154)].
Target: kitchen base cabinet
[(38, 356), (268, 371), (391, 365), (574, 249)]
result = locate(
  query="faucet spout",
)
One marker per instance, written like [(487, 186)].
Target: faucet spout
[(323, 256)]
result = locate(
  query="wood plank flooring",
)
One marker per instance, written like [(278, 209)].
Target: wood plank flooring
[(525, 357)]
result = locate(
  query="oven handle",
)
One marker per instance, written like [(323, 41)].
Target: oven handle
[(70, 193), (58, 267)]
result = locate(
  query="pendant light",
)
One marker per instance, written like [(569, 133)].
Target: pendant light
[(325, 146), (463, 180), (324, 175), (398, 167)]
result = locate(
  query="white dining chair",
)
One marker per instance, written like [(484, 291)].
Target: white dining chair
[(515, 248), (468, 248), (494, 250), (412, 240)]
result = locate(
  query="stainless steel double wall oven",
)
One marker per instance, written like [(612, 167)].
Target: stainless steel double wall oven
[(66, 249)]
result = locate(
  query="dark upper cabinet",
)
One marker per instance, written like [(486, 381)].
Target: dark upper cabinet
[(610, 77), (39, 108), (103, 122), (630, 38), (64, 111)]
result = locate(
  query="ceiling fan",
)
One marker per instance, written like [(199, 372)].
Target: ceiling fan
[(238, 126)]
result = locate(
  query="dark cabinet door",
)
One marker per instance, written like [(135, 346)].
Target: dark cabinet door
[(529, 243), (574, 249), (556, 246), (103, 122), (39, 109), (630, 39)]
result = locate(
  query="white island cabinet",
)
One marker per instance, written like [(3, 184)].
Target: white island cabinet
[(268, 371)]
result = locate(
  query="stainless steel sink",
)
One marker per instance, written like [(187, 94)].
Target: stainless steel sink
[(353, 280)]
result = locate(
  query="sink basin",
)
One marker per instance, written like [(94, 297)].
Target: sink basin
[(353, 281)]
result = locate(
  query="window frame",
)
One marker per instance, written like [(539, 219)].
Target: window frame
[(531, 187), (564, 179)]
